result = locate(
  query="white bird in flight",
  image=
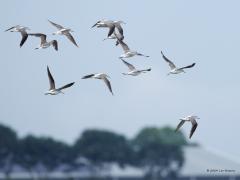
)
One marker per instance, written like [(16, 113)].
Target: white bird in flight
[(44, 44), (127, 52), (101, 76), (111, 25), (52, 90), (64, 31), (132, 70), (174, 69), (22, 30), (191, 119)]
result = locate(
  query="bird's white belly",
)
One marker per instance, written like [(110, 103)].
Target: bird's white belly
[(60, 32), (46, 45), (176, 71), (130, 54), (134, 73), (53, 92)]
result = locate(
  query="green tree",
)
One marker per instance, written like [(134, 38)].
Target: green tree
[(44, 151), (8, 149), (159, 151), (101, 146)]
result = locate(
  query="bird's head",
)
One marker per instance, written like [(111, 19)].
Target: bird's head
[(105, 75)]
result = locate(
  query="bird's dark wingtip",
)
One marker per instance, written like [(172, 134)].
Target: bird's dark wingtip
[(88, 76)]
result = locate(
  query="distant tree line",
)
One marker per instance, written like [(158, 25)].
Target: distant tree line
[(158, 151)]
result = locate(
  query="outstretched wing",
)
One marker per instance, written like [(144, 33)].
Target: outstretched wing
[(194, 127), (172, 66), (119, 28), (179, 125), (111, 29), (70, 37), (66, 86), (124, 45), (88, 76), (42, 36), (55, 44), (51, 80), (130, 66), (190, 66), (10, 28), (118, 36), (107, 82), (59, 27), (24, 38)]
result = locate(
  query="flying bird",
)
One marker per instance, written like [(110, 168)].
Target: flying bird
[(52, 90), (132, 70), (127, 52), (22, 30), (111, 25), (101, 76), (174, 69), (64, 31), (44, 44), (191, 119)]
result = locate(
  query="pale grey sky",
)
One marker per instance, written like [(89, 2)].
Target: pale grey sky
[(205, 32)]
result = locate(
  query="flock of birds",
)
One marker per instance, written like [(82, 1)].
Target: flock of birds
[(115, 32)]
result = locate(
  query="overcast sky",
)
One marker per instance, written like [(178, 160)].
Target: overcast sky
[(205, 32)]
